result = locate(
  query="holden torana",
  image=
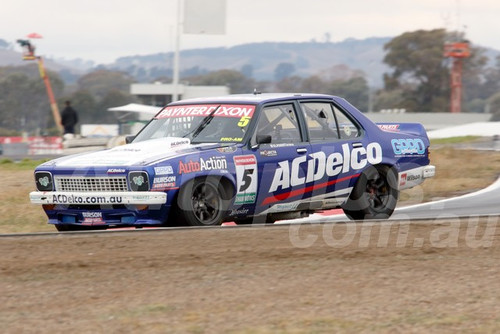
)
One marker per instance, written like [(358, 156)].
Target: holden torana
[(243, 158)]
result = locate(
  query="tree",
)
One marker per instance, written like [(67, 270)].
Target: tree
[(418, 69), (283, 70), (354, 90), (99, 83), (112, 99), (235, 80), (290, 84), (494, 104), (84, 103), (24, 101)]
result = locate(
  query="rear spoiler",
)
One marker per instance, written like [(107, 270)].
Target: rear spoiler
[(415, 129)]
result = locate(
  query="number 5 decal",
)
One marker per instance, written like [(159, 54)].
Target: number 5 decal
[(246, 178), (244, 121)]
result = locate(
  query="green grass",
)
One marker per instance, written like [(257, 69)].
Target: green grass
[(454, 140), (25, 164)]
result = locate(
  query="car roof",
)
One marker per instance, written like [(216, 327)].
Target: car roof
[(256, 98)]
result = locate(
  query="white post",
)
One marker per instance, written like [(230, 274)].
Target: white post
[(175, 79)]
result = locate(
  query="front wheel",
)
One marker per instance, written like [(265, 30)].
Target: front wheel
[(202, 202), (375, 194)]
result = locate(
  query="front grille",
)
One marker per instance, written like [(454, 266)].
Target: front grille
[(86, 184)]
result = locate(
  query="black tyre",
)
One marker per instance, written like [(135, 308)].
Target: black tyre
[(374, 196), (202, 202)]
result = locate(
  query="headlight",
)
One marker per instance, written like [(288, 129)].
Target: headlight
[(44, 181), (139, 181)]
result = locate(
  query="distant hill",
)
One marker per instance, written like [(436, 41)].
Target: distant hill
[(69, 71), (258, 60), (261, 59)]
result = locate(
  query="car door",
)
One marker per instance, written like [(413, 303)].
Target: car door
[(281, 154), (336, 153)]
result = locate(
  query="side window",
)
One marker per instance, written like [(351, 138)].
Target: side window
[(347, 129), (327, 122), (320, 119), (279, 122)]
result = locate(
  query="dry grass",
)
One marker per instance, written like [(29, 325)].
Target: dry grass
[(458, 172), (17, 214)]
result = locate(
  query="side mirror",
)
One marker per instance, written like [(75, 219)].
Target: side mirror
[(128, 139), (261, 139)]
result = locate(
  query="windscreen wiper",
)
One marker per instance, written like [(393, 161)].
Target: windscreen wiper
[(202, 125)]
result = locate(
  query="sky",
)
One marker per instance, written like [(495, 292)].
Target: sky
[(104, 30)]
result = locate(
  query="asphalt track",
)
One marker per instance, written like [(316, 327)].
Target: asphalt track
[(485, 202)]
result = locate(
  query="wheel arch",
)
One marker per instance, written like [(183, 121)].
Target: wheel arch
[(382, 165)]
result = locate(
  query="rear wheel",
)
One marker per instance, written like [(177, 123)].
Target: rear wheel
[(374, 196), (202, 202)]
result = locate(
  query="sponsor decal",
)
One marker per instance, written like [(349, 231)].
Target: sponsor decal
[(163, 182), (413, 177), (389, 127), (71, 199), (268, 153), (402, 182), (127, 149), (246, 179), (281, 145), (238, 212), (285, 206), (213, 163), (223, 110), (226, 149), (408, 146), (116, 170), (164, 170), (92, 218), (319, 164), (231, 139), (140, 197), (405, 178), (180, 142)]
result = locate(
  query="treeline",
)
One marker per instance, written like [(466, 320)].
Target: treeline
[(419, 80)]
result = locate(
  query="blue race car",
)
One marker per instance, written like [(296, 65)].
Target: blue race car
[(243, 158)]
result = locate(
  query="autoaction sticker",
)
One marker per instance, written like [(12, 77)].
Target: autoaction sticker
[(246, 179), (203, 110)]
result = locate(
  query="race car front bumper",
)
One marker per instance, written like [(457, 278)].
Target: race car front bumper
[(98, 198)]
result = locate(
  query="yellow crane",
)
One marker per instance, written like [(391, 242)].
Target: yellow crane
[(29, 54)]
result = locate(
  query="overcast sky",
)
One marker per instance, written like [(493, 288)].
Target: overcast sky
[(103, 30)]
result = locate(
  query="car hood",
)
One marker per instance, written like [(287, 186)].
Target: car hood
[(142, 153)]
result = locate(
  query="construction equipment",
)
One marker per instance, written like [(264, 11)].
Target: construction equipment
[(29, 54)]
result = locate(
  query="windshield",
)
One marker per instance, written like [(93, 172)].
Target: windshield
[(207, 123)]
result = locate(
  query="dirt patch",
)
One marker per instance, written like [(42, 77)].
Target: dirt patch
[(353, 278)]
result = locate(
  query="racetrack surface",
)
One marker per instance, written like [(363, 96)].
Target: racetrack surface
[(485, 202), (426, 276)]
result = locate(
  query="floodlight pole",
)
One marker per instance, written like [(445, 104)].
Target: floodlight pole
[(175, 79)]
